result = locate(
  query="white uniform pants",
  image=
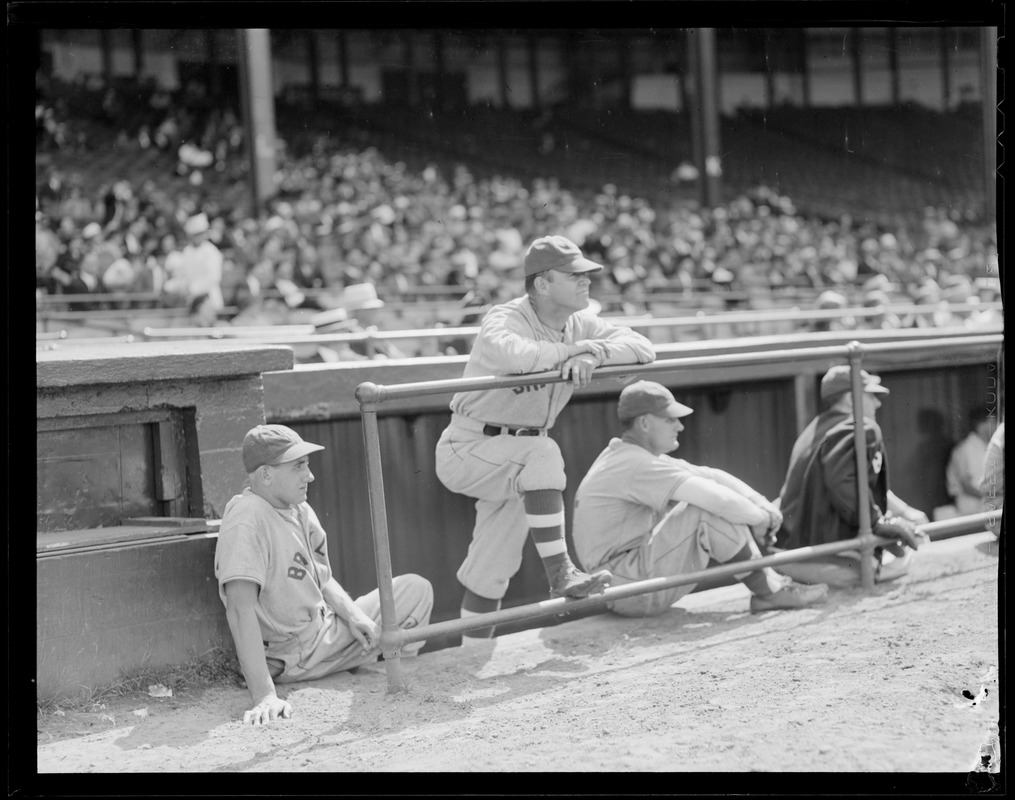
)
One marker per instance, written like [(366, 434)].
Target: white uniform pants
[(496, 470), (684, 541), (334, 649)]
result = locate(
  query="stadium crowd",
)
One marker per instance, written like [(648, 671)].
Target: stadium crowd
[(347, 215)]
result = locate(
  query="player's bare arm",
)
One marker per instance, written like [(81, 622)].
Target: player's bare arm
[(241, 599), (363, 628)]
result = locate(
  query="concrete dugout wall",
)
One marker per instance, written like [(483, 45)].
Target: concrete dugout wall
[(137, 449)]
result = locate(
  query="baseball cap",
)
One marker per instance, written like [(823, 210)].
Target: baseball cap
[(273, 445), (649, 397), (837, 381), (559, 253)]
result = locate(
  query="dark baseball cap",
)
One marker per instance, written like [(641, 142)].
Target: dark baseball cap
[(559, 253), (837, 381), (274, 445), (649, 397)]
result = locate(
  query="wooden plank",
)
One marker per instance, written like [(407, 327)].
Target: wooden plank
[(114, 534)]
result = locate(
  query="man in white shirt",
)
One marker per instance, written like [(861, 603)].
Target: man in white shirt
[(643, 514), (964, 472), (199, 268)]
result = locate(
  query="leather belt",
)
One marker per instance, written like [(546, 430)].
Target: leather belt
[(498, 430)]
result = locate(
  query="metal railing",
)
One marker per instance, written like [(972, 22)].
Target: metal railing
[(371, 396), (305, 334)]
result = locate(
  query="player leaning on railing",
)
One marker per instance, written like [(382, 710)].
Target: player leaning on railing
[(496, 448)]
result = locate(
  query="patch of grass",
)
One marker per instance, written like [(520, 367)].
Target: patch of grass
[(215, 667)]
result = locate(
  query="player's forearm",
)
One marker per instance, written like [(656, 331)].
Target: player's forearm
[(250, 653), (733, 483), (629, 350), (624, 346), (721, 501), (340, 601)]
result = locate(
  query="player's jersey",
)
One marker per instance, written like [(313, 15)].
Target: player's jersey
[(628, 491), (819, 499), (285, 552), (512, 341)]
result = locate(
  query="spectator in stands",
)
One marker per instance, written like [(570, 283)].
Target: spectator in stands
[(992, 484), (883, 320), (928, 293), (958, 290), (964, 473), (199, 266), (819, 499), (47, 252), (364, 228), (289, 618), (832, 301), (120, 276), (362, 309), (102, 251), (643, 514), (201, 313)]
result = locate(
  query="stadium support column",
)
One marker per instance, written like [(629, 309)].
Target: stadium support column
[(258, 100), (856, 47), (893, 65), (137, 42), (106, 47), (988, 94), (705, 115)]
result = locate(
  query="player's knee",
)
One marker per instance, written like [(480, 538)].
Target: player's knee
[(544, 467), (418, 587)]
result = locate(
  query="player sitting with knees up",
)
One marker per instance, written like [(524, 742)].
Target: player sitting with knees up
[(819, 499), (289, 618), (643, 514), (496, 448)]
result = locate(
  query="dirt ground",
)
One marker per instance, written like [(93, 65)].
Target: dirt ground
[(867, 683)]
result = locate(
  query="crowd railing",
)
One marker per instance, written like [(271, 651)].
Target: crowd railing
[(281, 334), (372, 396)]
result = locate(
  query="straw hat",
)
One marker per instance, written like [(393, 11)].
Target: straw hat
[(360, 296)]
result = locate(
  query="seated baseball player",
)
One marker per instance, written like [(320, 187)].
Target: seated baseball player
[(819, 498), (643, 514), (496, 448), (289, 618)]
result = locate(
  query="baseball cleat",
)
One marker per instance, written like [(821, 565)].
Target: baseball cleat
[(793, 595), (894, 566), (572, 582)]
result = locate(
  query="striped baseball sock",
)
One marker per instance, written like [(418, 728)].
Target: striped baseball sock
[(544, 510), (473, 604)]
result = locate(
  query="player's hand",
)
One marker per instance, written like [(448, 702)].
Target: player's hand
[(597, 348), (266, 710), (916, 516), (900, 529), (774, 521), (366, 632), (579, 369)]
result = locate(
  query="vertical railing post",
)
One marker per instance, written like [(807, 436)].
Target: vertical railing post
[(865, 533), (369, 396)]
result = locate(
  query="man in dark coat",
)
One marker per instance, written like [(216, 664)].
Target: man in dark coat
[(819, 498)]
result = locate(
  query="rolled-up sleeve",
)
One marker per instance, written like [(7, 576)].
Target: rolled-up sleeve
[(625, 346)]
